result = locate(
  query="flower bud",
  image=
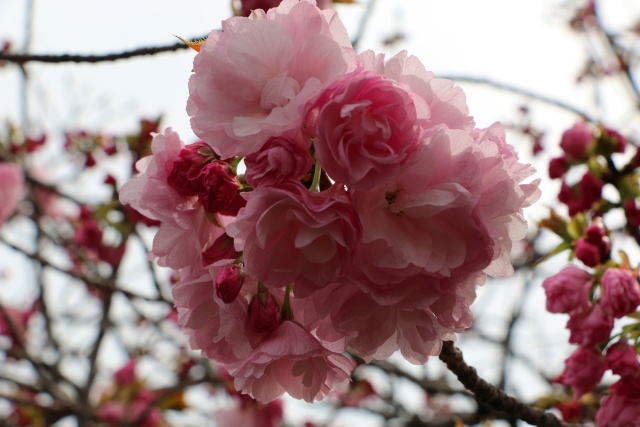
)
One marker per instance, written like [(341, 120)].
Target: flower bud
[(620, 292), (264, 313), (228, 282), (184, 177)]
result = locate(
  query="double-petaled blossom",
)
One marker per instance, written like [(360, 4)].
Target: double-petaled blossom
[(257, 77), (371, 207)]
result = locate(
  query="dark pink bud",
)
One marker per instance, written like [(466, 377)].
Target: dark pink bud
[(185, 175), (228, 282), (622, 359), (264, 313), (632, 212), (558, 167), (219, 187), (587, 252), (576, 140)]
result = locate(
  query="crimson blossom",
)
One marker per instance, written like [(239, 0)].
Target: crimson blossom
[(371, 209)]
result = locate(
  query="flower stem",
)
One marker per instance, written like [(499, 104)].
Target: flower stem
[(315, 184)]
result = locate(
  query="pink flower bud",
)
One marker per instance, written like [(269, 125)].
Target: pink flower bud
[(558, 167), (588, 253), (583, 371), (228, 282), (568, 291), (264, 313), (622, 359), (218, 187), (591, 327), (576, 140), (620, 292)]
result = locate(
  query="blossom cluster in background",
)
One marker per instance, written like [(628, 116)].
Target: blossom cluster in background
[(370, 210), (602, 290)]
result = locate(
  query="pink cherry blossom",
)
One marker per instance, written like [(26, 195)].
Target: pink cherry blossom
[(185, 230), (446, 102), (568, 290), (590, 328), (289, 234), (367, 127), (216, 328), (264, 312), (256, 78), (620, 292), (576, 140), (503, 196), (219, 188), (622, 359), (583, 371), (279, 161), (622, 407), (291, 360), (12, 189), (422, 222)]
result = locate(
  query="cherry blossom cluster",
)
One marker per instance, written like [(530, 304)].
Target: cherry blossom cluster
[(593, 302), (596, 297), (369, 210)]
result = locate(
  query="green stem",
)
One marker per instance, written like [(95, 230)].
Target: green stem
[(287, 312), (315, 185)]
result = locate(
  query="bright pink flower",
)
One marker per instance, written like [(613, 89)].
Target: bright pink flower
[(568, 291), (291, 360), (185, 231), (558, 167), (367, 127), (576, 140), (422, 221), (344, 316), (11, 189), (589, 328), (228, 282), (257, 77), (622, 407), (622, 359), (219, 188), (620, 292), (583, 371), (289, 234), (279, 161), (446, 102)]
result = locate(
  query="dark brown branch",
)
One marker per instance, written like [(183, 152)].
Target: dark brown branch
[(487, 394), (23, 58)]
